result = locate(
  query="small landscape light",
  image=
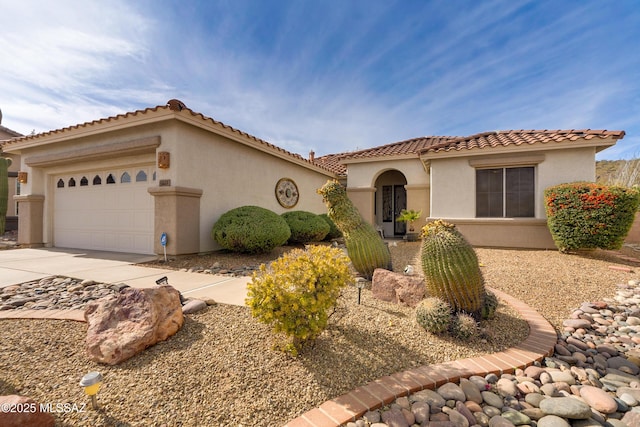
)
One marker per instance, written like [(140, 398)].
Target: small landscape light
[(162, 281), (360, 284), (91, 383)]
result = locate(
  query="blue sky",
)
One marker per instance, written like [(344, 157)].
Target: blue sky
[(328, 75)]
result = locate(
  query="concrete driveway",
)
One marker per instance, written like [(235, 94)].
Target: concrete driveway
[(23, 265)]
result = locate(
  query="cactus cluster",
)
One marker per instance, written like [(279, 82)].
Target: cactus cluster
[(4, 191), (489, 306), (434, 315), (451, 268), (464, 326), (365, 247)]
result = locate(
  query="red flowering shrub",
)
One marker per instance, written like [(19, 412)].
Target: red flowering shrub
[(584, 215)]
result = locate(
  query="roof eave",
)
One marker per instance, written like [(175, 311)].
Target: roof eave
[(383, 158)]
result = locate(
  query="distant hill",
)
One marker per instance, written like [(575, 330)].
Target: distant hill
[(611, 171)]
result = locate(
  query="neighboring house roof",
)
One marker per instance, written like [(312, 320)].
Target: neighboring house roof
[(4, 131), (437, 144), (172, 105)]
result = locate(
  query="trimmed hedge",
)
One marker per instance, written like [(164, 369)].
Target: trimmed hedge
[(334, 232), (584, 215), (305, 226), (250, 229)]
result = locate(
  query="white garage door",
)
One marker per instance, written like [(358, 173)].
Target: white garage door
[(104, 210)]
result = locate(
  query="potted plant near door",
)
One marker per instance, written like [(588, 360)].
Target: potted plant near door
[(410, 216)]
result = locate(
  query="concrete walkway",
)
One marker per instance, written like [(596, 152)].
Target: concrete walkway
[(23, 265)]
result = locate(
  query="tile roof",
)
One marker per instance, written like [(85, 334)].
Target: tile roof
[(7, 131), (437, 144), (173, 105), (520, 137)]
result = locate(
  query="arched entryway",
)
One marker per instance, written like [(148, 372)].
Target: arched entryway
[(390, 199)]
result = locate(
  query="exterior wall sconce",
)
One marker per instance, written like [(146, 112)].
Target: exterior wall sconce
[(164, 159), (22, 177)]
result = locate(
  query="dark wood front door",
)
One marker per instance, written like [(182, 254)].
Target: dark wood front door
[(400, 203)]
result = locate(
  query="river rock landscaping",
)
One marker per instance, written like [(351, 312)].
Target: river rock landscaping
[(220, 368), (591, 380)]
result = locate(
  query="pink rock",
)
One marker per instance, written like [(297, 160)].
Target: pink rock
[(598, 399), (19, 411), (122, 327), (506, 387), (576, 323), (473, 406), (533, 371), (393, 287)]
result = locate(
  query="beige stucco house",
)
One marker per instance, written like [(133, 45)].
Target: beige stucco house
[(118, 183), (14, 185), (490, 185)]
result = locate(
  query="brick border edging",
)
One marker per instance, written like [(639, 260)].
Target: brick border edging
[(77, 315), (353, 405)]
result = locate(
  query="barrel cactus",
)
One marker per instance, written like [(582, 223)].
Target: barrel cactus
[(365, 247), (451, 269), (434, 315), (464, 326), (489, 306), (4, 191)]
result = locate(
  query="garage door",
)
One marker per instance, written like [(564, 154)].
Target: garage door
[(104, 210)]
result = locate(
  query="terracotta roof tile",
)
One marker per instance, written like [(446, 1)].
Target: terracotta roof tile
[(173, 105), (519, 137), (436, 144)]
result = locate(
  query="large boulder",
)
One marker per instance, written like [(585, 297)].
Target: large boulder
[(122, 327), (393, 287), (19, 411)]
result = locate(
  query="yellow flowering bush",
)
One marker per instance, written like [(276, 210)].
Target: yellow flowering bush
[(295, 292)]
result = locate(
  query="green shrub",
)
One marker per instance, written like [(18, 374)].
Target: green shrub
[(295, 292), (585, 215), (334, 232), (489, 306), (365, 247), (305, 226), (250, 229), (434, 315), (451, 269), (464, 326)]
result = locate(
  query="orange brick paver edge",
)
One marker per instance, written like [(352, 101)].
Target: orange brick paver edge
[(351, 406), (77, 315)]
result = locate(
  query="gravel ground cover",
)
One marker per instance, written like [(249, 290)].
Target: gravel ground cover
[(220, 369)]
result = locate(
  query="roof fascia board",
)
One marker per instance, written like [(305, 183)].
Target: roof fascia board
[(386, 158), (90, 129)]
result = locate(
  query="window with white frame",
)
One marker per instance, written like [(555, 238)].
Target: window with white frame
[(505, 192)]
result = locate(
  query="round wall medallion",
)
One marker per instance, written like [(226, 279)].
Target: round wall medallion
[(287, 193)]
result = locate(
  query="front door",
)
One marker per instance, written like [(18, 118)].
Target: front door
[(399, 203)]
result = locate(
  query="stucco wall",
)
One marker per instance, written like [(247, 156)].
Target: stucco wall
[(453, 195), (231, 174), (453, 180), (365, 174), (364, 177)]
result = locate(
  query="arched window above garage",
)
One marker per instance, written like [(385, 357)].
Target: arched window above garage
[(72, 182), (60, 183), (111, 179), (141, 176), (97, 180), (125, 178), (84, 181)]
